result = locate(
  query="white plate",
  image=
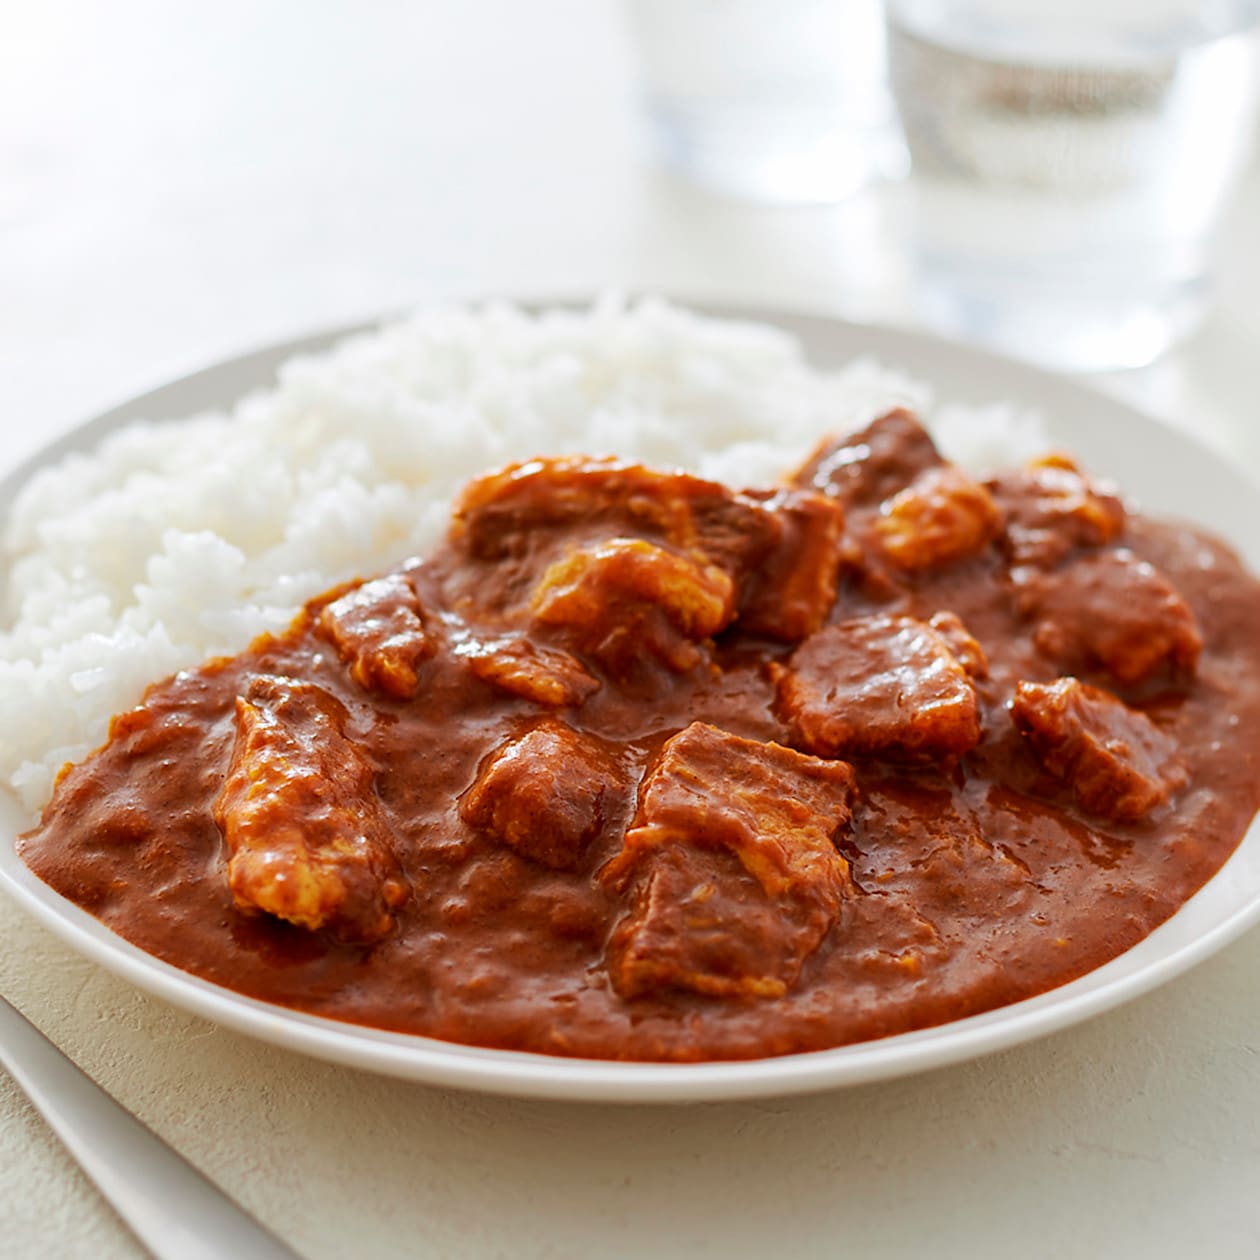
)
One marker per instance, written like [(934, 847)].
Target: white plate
[(1165, 470)]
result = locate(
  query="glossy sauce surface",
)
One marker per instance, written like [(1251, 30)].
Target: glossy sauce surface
[(546, 854)]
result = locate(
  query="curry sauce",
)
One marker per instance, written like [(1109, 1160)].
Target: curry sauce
[(640, 766)]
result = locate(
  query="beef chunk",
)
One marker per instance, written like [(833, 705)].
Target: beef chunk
[(868, 466), (1052, 508), (964, 645), (510, 512), (628, 599), (790, 588), (544, 794), (880, 685), (735, 871), (529, 670), (735, 531), (1112, 611), (378, 631), (780, 549), (701, 922), (1116, 760), (941, 517), (306, 836)]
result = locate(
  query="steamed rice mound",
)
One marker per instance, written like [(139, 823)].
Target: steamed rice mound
[(183, 539)]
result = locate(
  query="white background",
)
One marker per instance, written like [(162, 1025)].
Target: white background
[(180, 182)]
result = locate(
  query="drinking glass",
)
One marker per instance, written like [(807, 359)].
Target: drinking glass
[(773, 100), (1071, 163)]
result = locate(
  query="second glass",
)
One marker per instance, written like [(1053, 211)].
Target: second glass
[(772, 100)]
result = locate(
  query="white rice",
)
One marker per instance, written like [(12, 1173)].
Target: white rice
[(179, 540)]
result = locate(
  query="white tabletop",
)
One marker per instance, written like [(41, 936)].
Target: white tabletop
[(180, 182)]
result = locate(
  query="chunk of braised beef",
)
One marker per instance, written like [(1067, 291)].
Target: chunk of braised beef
[(307, 838), (780, 549), (530, 670), (792, 592), (943, 516), (544, 794), (735, 531), (786, 589), (508, 512), (378, 630), (628, 599), (871, 465), (1109, 610), (880, 685), (732, 859), (1051, 508), (1116, 761)]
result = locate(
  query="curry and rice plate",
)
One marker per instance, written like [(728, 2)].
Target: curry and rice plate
[(826, 739)]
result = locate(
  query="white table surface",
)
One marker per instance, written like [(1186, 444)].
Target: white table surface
[(179, 182)]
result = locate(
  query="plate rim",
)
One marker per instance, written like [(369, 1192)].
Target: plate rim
[(525, 1074)]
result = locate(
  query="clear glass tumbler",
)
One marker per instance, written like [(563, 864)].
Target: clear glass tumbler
[(1071, 161), (773, 100)]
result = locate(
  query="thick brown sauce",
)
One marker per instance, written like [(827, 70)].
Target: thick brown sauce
[(975, 883)]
